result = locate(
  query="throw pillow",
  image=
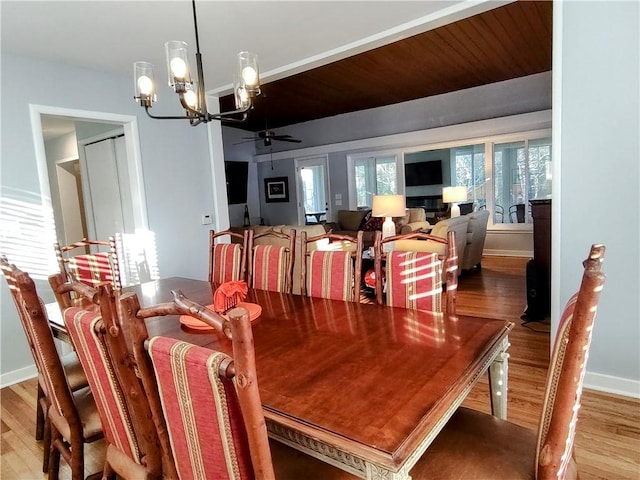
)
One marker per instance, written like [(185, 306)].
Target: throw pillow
[(373, 224), (364, 220)]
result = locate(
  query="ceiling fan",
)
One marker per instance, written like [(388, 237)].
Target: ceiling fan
[(268, 136)]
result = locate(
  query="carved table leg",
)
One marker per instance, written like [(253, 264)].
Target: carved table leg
[(375, 472), (498, 374)]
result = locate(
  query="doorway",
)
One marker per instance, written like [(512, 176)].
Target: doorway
[(312, 185), (90, 172)]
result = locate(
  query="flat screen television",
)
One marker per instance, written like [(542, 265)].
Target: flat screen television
[(236, 174), (423, 173)]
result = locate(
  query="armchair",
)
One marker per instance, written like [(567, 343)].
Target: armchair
[(417, 221)]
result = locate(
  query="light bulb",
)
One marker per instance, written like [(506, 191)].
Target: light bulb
[(249, 75), (145, 85), (178, 68), (191, 98)]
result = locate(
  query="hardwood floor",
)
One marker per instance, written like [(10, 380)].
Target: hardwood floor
[(608, 435)]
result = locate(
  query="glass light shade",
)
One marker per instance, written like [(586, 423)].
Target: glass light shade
[(388, 206), (249, 72), (144, 80), (242, 98), (177, 63)]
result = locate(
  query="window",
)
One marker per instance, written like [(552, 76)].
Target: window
[(521, 172), (468, 164), (375, 176)]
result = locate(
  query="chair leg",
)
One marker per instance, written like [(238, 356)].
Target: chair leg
[(77, 461), (108, 473), (46, 444), (54, 453), (40, 420)]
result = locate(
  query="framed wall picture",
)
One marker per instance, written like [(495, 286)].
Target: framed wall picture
[(276, 189)]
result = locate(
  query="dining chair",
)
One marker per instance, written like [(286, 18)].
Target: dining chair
[(272, 263), (69, 361), (72, 417), (133, 445), (414, 270), (228, 261), (479, 445), (516, 213), (220, 432), (89, 267), (332, 266)]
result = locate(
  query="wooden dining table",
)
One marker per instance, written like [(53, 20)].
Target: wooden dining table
[(364, 387)]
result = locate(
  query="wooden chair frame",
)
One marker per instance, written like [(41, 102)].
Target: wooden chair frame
[(238, 329), (450, 262), (244, 237), (289, 249), (129, 386), (60, 406), (356, 255), (487, 447), (63, 260)]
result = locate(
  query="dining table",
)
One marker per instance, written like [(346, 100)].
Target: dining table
[(364, 387)]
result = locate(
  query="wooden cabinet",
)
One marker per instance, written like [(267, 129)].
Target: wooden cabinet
[(541, 213)]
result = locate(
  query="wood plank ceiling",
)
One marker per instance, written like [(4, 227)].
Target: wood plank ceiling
[(507, 42)]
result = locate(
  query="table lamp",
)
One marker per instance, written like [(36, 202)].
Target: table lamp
[(388, 206), (453, 195)]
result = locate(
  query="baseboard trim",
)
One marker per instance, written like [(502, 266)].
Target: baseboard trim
[(610, 384), (17, 376), (507, 253)]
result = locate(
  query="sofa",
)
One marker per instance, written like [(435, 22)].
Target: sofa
[(470, 230), (476, 235), (350, 221)]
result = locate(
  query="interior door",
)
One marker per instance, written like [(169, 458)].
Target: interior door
[(106, 197), (313, 190)]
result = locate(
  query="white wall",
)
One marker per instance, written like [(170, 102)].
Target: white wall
[(596, 124), (175, 163)]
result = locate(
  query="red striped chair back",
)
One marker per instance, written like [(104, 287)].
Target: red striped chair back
[(86, 330), (333, 268), (90, 268), (409, 283), (133, 445), (567, 367), (228, 261), (72, 416), (414, 281), (203, 414), (272, 264), (225, 434)]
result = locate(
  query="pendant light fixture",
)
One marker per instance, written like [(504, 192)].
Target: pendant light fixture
[(192, 94)]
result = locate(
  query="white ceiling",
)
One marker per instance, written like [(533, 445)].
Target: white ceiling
[(288, 36)]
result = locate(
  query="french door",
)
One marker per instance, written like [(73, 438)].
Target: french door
[(312, 186)]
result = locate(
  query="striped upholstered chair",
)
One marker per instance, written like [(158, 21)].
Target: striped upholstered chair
[(133, 446), (483, 446), (416, 266), (332, 266), (69, 361), (228, 261), (272, 255), (90, 268), (72, 416)]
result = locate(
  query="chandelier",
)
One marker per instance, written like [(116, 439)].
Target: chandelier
[(192, 95)]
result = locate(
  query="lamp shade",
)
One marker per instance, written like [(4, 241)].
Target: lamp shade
[(388, 206), (454, 194)]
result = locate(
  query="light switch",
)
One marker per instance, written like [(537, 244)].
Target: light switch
[(206, 219)]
